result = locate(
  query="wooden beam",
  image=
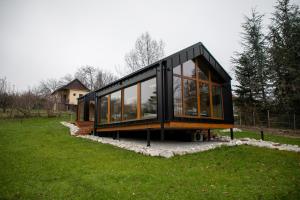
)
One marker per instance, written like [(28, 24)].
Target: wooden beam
[(170, 125), (139, 101)]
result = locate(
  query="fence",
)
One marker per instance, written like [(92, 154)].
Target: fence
[(268, 119)]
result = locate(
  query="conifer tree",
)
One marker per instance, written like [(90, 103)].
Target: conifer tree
[(284, 56), (250, 65)]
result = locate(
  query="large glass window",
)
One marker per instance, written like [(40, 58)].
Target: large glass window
[(177, 95), (130, 103), (189, 69), (115, 106), (217, 101), (204, 100), (190, 104), (148, 99), (104, 109), (185, 92)]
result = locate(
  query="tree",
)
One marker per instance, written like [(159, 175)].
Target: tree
[(46, 87), (5, 96), (103, 78), (145, 52), (250, 65), (284, 55), (93, 77)]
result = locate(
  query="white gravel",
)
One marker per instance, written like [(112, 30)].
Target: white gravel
[(168, 149)]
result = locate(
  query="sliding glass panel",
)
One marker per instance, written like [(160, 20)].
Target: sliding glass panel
[(204, 100), (189, 69), (104, 109), (130, 103), (217, 101), (177, 95), (148, 99), (190, 97), (177, 70), (115, 106)]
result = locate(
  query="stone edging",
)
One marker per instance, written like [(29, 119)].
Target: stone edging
[(160, 150)]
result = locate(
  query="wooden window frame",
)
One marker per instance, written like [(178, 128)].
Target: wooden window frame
[(198, 82)]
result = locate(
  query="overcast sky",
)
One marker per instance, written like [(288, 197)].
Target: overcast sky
[(48, 39)]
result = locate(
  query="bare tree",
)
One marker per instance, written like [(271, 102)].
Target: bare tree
[(5, 96), (104, 78), (145, 52), (87, 75), (65, 79), (93, 77), (46, 87)]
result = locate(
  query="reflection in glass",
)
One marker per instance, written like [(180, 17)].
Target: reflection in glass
[(189, 69), (115, 106), (216, 78), (217, 101), (204, 100), (203, 70), (104, 109), (130, 103), (190, 97), (91, 110), (177, 70), (177, 97), (148, 98)]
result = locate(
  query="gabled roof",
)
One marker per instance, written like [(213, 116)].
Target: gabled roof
[(180, 57), (75, 85)]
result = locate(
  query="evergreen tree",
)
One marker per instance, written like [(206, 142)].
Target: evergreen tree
[(250, 65), (284, 56)]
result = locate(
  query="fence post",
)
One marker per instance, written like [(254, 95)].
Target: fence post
[(253, 118), (268, 118), (294, 121), (240, 118), (262, 134)]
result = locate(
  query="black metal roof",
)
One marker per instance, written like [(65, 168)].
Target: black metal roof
[(180, 57)]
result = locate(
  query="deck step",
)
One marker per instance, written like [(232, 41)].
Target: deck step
[(85, 127)]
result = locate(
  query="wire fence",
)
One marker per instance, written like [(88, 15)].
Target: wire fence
[(268, 119)]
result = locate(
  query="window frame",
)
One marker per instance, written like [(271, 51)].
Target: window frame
[(140, 100), (139, 110), (198, 82)]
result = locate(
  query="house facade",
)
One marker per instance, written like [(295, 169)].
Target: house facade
[(65, 97)]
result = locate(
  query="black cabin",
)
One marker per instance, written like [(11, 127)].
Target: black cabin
[(186, 90)]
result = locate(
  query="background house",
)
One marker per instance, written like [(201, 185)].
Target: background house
[(65, 97)]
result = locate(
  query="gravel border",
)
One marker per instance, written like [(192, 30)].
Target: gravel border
[(168, 149)]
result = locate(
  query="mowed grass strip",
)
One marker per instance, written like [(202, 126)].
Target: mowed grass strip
[(267, 136), (40, 160)]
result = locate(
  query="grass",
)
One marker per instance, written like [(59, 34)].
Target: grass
[(267, 137), (40, 160)]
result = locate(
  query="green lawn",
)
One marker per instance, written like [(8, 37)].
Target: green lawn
[(40, 160), (267, 137)]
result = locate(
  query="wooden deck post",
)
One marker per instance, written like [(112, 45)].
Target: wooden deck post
[(162, 135), (231, 133), (148, 137), (118, 135), (262, 134), (208, 134)]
